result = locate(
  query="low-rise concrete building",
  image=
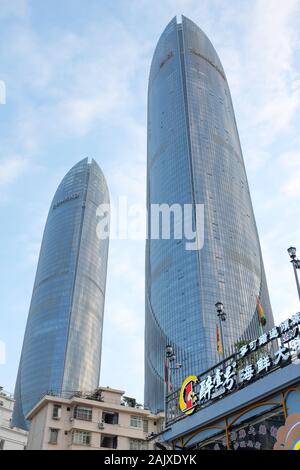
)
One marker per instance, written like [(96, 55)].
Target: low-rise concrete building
[(10, 438), (100, 421)]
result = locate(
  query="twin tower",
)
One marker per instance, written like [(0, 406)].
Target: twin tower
[(194, 157)]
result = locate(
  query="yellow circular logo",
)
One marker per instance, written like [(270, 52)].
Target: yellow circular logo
[(297, 446), (187, 396)]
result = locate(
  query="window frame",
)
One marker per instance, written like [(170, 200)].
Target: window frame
[(84, 413), (57, 407), (114, 414), (85, 437), (138, 420), (53, 431), (114, 441), (138, 444)]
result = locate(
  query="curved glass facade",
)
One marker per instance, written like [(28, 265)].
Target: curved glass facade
[(195, 157), (63, 337)]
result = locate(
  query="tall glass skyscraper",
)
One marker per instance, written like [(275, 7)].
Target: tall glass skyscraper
[(63, 337), (195, 157)]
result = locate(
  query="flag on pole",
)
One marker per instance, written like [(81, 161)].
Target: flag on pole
[(219, 341), (260, 312), (166, 370), (167, 376)]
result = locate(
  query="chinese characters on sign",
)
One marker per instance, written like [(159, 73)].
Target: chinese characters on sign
[(218, 384), (287, 331), (229, 377)]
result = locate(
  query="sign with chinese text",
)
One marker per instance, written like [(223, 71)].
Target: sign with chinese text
[(252, 361)]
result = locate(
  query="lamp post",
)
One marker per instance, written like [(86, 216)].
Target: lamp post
[(222, 317), (169, 359), (296, 265)]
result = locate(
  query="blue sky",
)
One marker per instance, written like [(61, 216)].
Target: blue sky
[(76, 79)]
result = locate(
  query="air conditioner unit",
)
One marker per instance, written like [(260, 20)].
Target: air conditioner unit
[(71, 419), (101, 425)]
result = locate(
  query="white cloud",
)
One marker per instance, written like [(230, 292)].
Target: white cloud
[(83, 81), (291, 163), (291, 188), (281, 281), (271, 43), (11, 169)]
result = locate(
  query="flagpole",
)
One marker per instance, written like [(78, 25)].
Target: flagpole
[(222, 317), (222, 338), (169, 359), (296, 265), (168, 354)]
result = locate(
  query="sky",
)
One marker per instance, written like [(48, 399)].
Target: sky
[(76, 75)]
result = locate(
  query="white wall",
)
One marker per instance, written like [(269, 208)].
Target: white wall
[(15, 439)]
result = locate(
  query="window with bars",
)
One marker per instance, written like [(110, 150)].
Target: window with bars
[(145, 425), (139, 422), (83, 413), (81, 437), (136, 421), (137, 444)]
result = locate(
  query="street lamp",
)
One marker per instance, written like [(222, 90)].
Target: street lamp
[(169, 350), (296, 265), (170, 358), (222, 317)]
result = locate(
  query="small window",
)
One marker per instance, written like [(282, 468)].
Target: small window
[(83, 413), (137, 444), (109, 417), (56, 412), (81, 437), (108, 441), (53, 436), (145, 425), (136, 421)]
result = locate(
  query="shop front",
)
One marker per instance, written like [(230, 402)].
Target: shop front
[(250, 401)]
